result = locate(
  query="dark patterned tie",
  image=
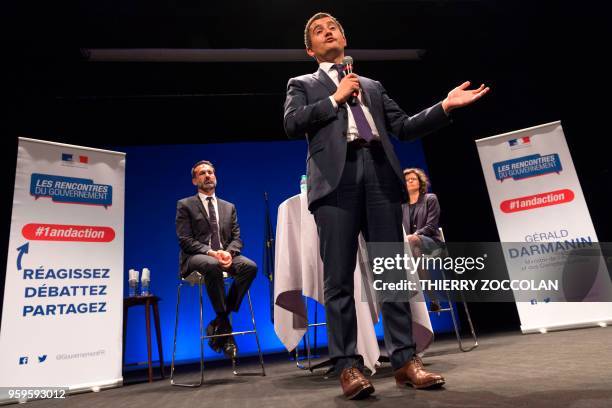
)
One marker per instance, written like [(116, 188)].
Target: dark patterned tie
[(212, 217), (363, 127)]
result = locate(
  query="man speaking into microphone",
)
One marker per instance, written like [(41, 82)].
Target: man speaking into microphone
[(355, 184)]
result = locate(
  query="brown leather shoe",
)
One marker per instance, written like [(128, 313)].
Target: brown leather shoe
[(354, 384), (413, 373), (230, 348)]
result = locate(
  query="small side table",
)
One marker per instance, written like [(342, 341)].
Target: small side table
[(147, 302)]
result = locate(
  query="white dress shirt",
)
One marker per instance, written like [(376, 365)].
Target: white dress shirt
[(352, 133)]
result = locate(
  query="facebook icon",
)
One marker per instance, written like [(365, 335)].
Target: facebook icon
[(23, 360)]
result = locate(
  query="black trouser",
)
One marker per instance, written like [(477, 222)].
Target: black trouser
[(368, 200), (243, 271)]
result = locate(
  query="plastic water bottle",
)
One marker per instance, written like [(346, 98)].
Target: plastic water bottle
[(133, 282), (303, 185), (133, 288), (145, 286), (145, 282)]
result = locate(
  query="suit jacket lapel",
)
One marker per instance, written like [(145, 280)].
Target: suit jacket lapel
[(323, 78), (366, 91), (406, 218), (370, 92), (419, 209), (222, 217), (221, 210)]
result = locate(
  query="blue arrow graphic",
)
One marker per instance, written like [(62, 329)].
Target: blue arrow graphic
[(22, 250)]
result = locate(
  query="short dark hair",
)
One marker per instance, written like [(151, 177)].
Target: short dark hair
[(193, 175), (423, 179), (314, 18)]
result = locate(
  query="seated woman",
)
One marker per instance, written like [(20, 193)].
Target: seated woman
[(420, 217)]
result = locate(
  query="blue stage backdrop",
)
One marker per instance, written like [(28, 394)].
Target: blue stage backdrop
[(157, 176)]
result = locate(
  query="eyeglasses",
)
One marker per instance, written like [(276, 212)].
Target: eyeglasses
[(411, 179)]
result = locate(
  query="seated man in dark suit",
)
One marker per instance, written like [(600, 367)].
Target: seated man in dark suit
[(209, 237)]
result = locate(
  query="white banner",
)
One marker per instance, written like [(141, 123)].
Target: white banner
[(63, 296), (545, 227)]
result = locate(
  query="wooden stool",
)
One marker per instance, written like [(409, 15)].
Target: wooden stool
[(147, 302)]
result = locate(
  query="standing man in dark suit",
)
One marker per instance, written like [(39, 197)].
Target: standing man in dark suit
[(355, 184), (209, 236)]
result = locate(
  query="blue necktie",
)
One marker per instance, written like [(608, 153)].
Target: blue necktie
[(363, 127)]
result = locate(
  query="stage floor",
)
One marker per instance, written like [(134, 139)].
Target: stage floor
[(559, 369)]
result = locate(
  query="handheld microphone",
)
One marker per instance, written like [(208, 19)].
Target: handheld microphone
[(347, 62)]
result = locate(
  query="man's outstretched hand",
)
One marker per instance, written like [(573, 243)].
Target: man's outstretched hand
[(461, 96)]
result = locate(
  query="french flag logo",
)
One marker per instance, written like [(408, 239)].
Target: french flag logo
[(70, 159), (520, 142)]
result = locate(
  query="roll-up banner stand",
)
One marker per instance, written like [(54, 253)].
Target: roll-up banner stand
[(545, 227), (63, 295)]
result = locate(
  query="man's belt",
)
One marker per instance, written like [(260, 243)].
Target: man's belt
[(361, 143)]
